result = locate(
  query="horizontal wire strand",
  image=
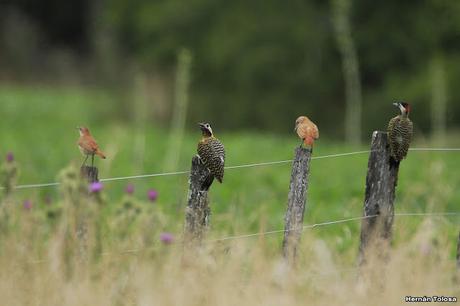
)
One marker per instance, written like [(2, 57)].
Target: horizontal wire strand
[(26, 186), (311, 226), (308, 226)]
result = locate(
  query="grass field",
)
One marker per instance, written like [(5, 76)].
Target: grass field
[(38, 126)]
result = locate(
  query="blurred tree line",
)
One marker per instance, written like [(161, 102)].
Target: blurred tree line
[(256, 64)]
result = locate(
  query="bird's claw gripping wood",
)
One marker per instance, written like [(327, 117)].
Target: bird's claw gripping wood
[(89, 173)]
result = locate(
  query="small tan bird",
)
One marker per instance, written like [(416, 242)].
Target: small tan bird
[(88, 146), (307, 131)]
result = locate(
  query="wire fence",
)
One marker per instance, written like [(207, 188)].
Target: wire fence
[(272, 232), (312, 226), (270, 163)]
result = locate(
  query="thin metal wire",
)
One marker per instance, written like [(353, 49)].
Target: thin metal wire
[(334, 222), (143, 176), (427, 214), (434, 149), (34, 185), (341, 154), (26, 186), (309, 226)]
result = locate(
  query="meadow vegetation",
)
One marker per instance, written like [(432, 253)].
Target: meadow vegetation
[(122, 258)]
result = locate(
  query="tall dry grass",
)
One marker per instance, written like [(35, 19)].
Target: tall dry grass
[(83, 250), (245, 273), (240, 272)]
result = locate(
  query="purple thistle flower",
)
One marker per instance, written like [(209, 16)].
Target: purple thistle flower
[(27, 205), (152, 194), (10, 157), (95, 187), (129, 189), (167, 238)]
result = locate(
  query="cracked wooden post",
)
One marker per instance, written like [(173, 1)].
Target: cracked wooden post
[(90, 173), (293, 220), (197, 212), (381, 181)]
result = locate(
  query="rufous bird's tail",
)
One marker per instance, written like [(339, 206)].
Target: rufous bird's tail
[(101, 154), (308, 141)]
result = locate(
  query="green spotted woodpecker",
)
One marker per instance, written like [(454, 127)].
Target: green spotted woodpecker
[(400, 133), (212, 154)]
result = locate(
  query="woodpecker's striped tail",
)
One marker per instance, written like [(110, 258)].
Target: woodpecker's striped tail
[(394, 163), (207, 182)]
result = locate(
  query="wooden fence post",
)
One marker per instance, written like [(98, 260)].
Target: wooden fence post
[(381, 180), (293, 221), (90, 173), (197, 212)]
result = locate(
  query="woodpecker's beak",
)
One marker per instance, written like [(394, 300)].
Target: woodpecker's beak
[(78, 128), (396, 104), (202, 125)]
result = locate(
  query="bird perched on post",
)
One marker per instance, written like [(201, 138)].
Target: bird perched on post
[(212, 154), (307, 131), (400, 133), (88, 146)]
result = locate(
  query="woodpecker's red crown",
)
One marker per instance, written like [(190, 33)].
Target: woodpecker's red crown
[(403, 107)]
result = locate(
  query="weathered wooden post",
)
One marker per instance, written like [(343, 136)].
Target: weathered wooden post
[(197, 212), (381, 180), (90, 173), (293, 221)]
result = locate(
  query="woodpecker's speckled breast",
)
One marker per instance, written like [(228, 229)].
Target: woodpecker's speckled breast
[(400, 130), (212, 154)]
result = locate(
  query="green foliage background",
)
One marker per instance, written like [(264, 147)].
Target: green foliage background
[(260, 63), (256, 64)]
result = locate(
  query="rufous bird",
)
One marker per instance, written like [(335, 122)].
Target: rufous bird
[(307, 131), (88, 146), (212, 154)]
